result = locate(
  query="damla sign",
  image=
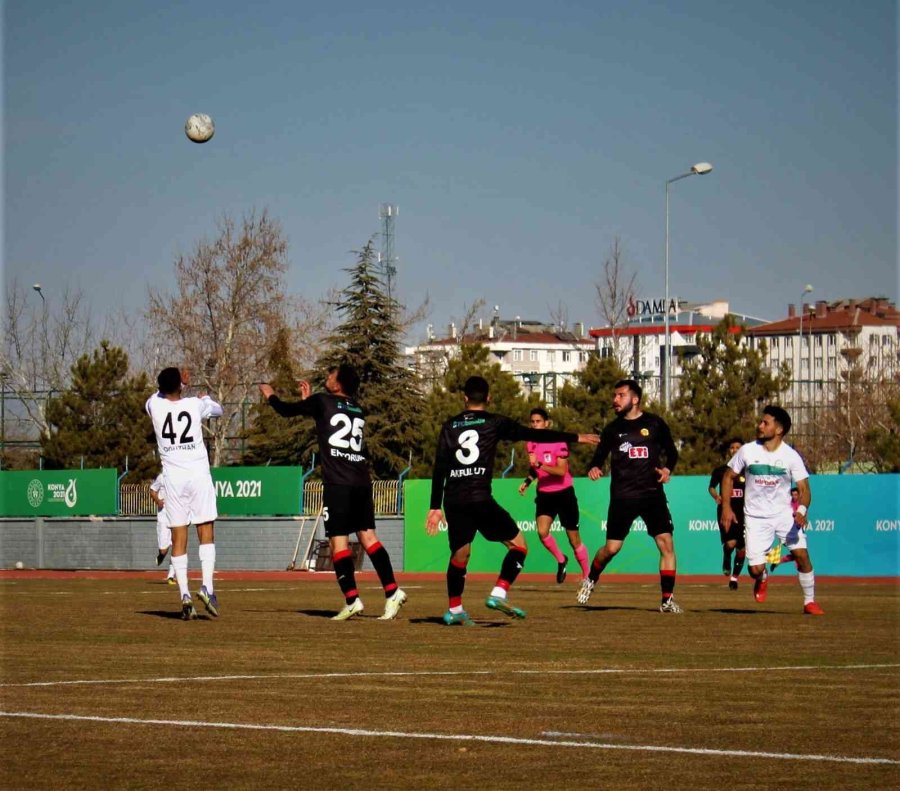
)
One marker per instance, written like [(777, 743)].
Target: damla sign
[(644, 308)]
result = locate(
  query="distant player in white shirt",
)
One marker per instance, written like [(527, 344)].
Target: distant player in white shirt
[(163, 532), (770, 467), (190, 492)]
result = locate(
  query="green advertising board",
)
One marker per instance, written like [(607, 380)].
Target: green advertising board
[(854, 528), (58, 492), (253, 491)]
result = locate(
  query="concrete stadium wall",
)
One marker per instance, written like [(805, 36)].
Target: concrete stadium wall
[(129, 543)]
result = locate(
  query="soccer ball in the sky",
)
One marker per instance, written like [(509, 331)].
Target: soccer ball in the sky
[(199, 128)]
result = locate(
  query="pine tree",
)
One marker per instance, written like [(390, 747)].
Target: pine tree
[(369, 338), (100, 418), (585, 405), (273, 439), (720, 395), (446, 400)]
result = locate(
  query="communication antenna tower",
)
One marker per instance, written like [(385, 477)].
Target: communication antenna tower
[(387, 213)]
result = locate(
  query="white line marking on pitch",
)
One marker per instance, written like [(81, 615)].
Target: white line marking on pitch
[(426, 673), (458, 737)]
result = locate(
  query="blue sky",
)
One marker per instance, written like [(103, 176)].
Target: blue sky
[(517, 138)]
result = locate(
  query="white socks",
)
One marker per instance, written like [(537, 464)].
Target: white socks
[(180, 564), (807, 585), (207, 554)]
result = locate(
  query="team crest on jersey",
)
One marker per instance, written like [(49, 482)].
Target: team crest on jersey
[(645, 432), (548, 458), (625, 447)]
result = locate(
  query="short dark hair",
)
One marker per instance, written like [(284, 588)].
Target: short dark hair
[(631, 385), (782, 418), (476, 389), (540, 412), (169, 381), (348, 378), (738, 440)]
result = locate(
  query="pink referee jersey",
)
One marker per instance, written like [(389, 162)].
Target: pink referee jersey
[(548, 453)]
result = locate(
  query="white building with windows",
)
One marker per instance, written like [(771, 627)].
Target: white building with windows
[(542, 357), (821, 343)]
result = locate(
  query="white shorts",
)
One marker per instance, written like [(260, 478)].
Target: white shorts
[(760, 534), (190, 499), (163, 532)]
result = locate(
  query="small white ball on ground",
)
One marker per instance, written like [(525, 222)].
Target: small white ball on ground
[(20, 564), (199, 128)]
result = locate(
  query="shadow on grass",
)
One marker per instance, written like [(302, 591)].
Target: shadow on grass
[(740, 611), (604, 608), (321, 613), (171, 614), (436, 620)]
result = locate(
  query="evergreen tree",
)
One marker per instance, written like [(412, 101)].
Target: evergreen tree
[(369, 338), (446, 400), (585, 405), (720, 395), (100, 418), (273, 439)]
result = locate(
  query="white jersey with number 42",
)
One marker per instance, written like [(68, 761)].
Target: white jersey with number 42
[(179, 434)]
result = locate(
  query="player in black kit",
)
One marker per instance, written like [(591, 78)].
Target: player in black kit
[(461, 482), (347, 506), (636, 442), (733, 535)]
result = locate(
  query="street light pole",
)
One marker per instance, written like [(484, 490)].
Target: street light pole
[(700, 169)]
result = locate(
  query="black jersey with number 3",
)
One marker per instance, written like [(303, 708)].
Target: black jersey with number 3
[(637, 447), (464, 462), (339, 427)]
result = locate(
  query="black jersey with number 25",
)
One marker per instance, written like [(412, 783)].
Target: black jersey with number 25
[(339, 427), (464, 462)]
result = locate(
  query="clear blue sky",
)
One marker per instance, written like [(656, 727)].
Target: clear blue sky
[(517, 138)]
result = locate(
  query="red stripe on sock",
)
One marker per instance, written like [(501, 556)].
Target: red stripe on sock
[(456, 601), (373, 548), (457, 564), (503, 584), (523, 550), (341, 554), (390, 588), (667, 573)]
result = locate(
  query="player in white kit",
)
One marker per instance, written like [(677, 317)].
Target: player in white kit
[(163, 531), (190, 492), (770, 466)]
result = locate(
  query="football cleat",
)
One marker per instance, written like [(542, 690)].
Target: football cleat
[(209, 601), (493, 603), (585, 591), (392, 605), (561, 571), (670, 605), (458, 619), (354, 608), (812, 609), (761, 589), (733, 584), (188, 613), (161, 556)]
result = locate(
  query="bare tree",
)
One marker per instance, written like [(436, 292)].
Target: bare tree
[(43, 336), (228, 306), (615, 289)]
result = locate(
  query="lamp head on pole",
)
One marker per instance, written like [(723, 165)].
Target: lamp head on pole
[(37, 287), (807, 288), (701, 168)]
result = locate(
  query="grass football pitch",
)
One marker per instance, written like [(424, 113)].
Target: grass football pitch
[(103, 686)]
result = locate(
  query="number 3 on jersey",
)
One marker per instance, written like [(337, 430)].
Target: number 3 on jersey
[(468, 452), (346, 427)]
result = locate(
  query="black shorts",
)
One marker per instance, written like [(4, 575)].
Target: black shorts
[(653, 510), (735, 531), (347, 509), (563, 504), (464, 520)]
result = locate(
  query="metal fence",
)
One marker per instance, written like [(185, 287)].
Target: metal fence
[(134, 498)]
